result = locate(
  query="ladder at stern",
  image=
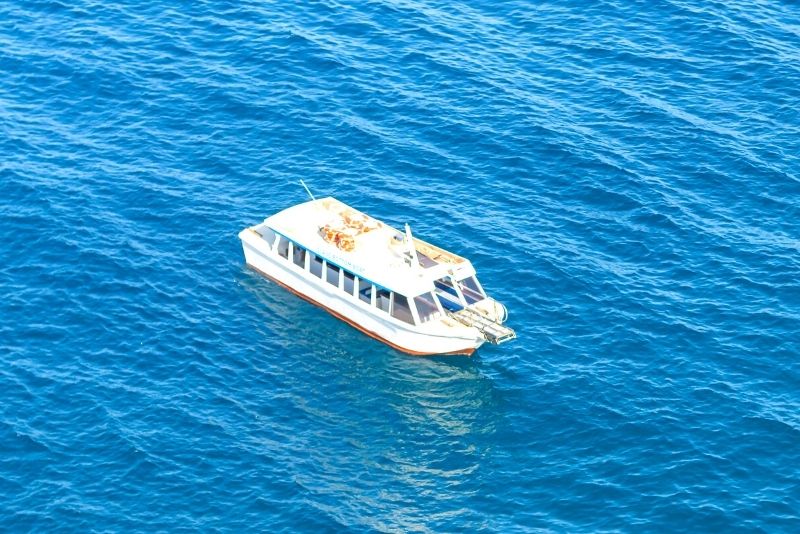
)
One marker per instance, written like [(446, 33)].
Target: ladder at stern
[(493, 332)]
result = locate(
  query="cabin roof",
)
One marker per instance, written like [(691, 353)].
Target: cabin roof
[(366, 246)]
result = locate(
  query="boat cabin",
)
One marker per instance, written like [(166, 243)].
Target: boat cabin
[(449, 292), (414, 294)]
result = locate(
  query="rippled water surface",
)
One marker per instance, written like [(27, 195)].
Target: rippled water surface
[(624, 175)]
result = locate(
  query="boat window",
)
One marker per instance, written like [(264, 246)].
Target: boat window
[(349, 282), (382, 298), (448, 295), (283, 247), (471, 290), (365, 291), (299, 256), (426, 307), (316, 265), (267, 235), (446, 285), (333, 275), (401, 310)]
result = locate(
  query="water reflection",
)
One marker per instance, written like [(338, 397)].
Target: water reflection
[(416, 425)]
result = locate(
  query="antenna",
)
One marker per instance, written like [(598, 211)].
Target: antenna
[(307, 190)]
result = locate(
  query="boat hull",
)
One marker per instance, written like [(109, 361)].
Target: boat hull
[(408, 339)]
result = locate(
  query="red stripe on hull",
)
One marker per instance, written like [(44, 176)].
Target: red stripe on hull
[(465, 352)]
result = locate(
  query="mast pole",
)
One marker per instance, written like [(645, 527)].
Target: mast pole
[(307, 189)]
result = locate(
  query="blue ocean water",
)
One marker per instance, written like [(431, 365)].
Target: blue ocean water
[(624, 175)]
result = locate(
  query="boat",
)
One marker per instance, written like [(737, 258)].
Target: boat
[(411, 295)]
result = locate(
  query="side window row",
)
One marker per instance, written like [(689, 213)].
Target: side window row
[(388, 301)]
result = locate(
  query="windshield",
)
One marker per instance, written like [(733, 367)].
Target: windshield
[(471, 289), (426, 307)]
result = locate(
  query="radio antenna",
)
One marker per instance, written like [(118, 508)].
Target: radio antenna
[(307, 190)]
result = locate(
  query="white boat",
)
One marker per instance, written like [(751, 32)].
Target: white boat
[(413, 296)]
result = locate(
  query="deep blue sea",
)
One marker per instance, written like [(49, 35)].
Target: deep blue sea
[(625, 176)]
